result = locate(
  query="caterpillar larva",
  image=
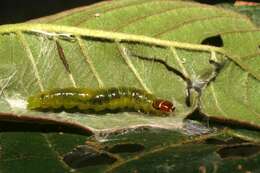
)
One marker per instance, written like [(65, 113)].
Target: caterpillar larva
[(111, 99)]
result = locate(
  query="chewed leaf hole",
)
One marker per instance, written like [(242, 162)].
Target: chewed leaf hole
[(213, 41), (83, 156), (126, 148), (239, 151), (215, 141)]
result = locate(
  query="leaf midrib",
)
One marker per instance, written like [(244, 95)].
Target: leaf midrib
[(120, 37)]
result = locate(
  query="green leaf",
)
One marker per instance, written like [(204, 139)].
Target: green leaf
[(187, 158), (35, 43), (29, 150), (29, 63), (166, 69), (145, 150), (248, 135), (233, 96), (193, 23), (26, 147), (38, 67), (252, 11)]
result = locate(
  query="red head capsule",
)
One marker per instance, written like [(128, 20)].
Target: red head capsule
[(163, 105)]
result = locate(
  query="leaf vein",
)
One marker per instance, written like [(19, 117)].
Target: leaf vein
[(65, 63), (56, 153), (192, 21), (174, 10), (216, 100), (126, 58), (31, 58), (138, 19), (180, 63), (89, 62)]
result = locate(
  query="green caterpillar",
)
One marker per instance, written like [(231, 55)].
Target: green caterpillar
[(100, 100)]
